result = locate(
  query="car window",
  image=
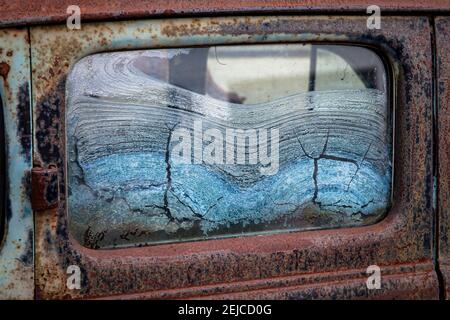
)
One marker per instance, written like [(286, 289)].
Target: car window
[(185, 144)]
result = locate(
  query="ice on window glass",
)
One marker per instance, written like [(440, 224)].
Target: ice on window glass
[(199, 143)]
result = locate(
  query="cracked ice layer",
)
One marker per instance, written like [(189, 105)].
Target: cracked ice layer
[(125, 189)]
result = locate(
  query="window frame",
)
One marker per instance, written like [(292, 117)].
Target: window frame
[(442, 73), (304, 264)]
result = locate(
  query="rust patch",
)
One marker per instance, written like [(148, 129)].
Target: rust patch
[(24, 119), (443, 148), (45, 191), (4, 70), (48, 127)]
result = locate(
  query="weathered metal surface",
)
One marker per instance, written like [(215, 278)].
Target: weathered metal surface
[(45, 190), (443, 140), (22, 12), (404, 282), (402, 238), (16, 251)]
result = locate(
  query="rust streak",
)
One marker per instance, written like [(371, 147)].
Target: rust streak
[(4, 70)]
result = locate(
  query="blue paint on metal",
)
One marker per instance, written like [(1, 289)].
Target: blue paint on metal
[(16, 251)]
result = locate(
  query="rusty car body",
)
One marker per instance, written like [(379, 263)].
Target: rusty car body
[(410, 244)]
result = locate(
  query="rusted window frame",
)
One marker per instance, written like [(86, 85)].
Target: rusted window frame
[(312, 264), (442, 67)]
